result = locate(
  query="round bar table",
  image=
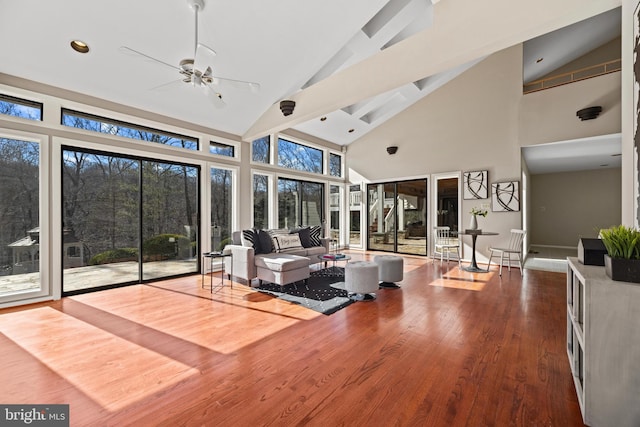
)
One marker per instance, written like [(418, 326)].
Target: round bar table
[(473, 267)]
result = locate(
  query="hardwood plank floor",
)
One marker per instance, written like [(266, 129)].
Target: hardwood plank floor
[(449, 348)]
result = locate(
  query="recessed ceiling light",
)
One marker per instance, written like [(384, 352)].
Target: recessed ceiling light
[(539, 60), (351, 130), (79, 46)]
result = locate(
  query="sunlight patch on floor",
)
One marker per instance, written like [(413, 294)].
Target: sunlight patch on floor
[(215, 309), (98, 363), (463, 280)]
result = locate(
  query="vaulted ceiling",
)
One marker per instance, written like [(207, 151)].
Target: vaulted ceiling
[(356, 62)]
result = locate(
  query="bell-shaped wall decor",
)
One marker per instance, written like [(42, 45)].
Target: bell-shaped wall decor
[(589, 113)]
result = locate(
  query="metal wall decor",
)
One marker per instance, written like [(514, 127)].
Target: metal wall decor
[(475, 185), (636, 106), (505, 196)]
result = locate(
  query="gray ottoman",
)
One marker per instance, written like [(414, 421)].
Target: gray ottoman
[(391, 268), (361, 280), (282, 269)]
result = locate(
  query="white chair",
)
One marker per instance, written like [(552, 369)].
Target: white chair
[(444, 243), (514, 247)]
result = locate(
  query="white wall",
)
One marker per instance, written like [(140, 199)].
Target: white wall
[(471, 123), (608, 52), (567, 206), (550, 115), (630, 214)]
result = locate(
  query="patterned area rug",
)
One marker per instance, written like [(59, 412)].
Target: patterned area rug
[(323, 294)]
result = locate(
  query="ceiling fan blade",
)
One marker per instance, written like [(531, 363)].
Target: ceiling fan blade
[(240, 84), (167, 85), (128, 51), (204, 57)]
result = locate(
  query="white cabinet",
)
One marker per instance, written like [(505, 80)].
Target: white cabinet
[(603, 345)]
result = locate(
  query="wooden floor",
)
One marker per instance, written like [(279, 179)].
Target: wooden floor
[(449, 348)]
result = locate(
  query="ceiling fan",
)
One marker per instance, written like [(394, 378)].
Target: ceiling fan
[(197, 71)]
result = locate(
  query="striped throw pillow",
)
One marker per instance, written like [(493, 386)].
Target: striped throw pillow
[(250, 239), (315, 235)]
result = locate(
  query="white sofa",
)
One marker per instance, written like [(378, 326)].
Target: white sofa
[(282, 267)]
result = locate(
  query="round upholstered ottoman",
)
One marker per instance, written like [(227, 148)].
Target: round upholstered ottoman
[(361, 280), (391, 269)]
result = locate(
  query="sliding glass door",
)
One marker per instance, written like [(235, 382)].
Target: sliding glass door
[(126, 220), (397, 216), (412, 217), (20, 227), (169, 219)]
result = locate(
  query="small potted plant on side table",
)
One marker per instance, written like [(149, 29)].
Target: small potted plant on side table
[(622, 260)]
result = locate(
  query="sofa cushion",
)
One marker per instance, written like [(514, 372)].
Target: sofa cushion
[(281, 262), (314, 251), (288, 241)]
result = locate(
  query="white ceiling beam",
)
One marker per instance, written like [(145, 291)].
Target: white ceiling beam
[(462, 30)]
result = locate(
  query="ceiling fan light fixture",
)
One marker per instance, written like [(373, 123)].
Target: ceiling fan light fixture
[(79, 46), (287, 106)]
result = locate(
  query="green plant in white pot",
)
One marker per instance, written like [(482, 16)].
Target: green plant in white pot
[(622, 261)]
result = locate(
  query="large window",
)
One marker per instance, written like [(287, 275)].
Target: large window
[(19, 107), (126, 219), (19, 217), (221, 149), (261, 149), (335, 164), (299, 203), (300, 157), (260, 201), (127, 130), (221, 207)]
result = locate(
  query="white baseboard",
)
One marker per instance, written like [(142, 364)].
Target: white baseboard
[(552, 246)]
